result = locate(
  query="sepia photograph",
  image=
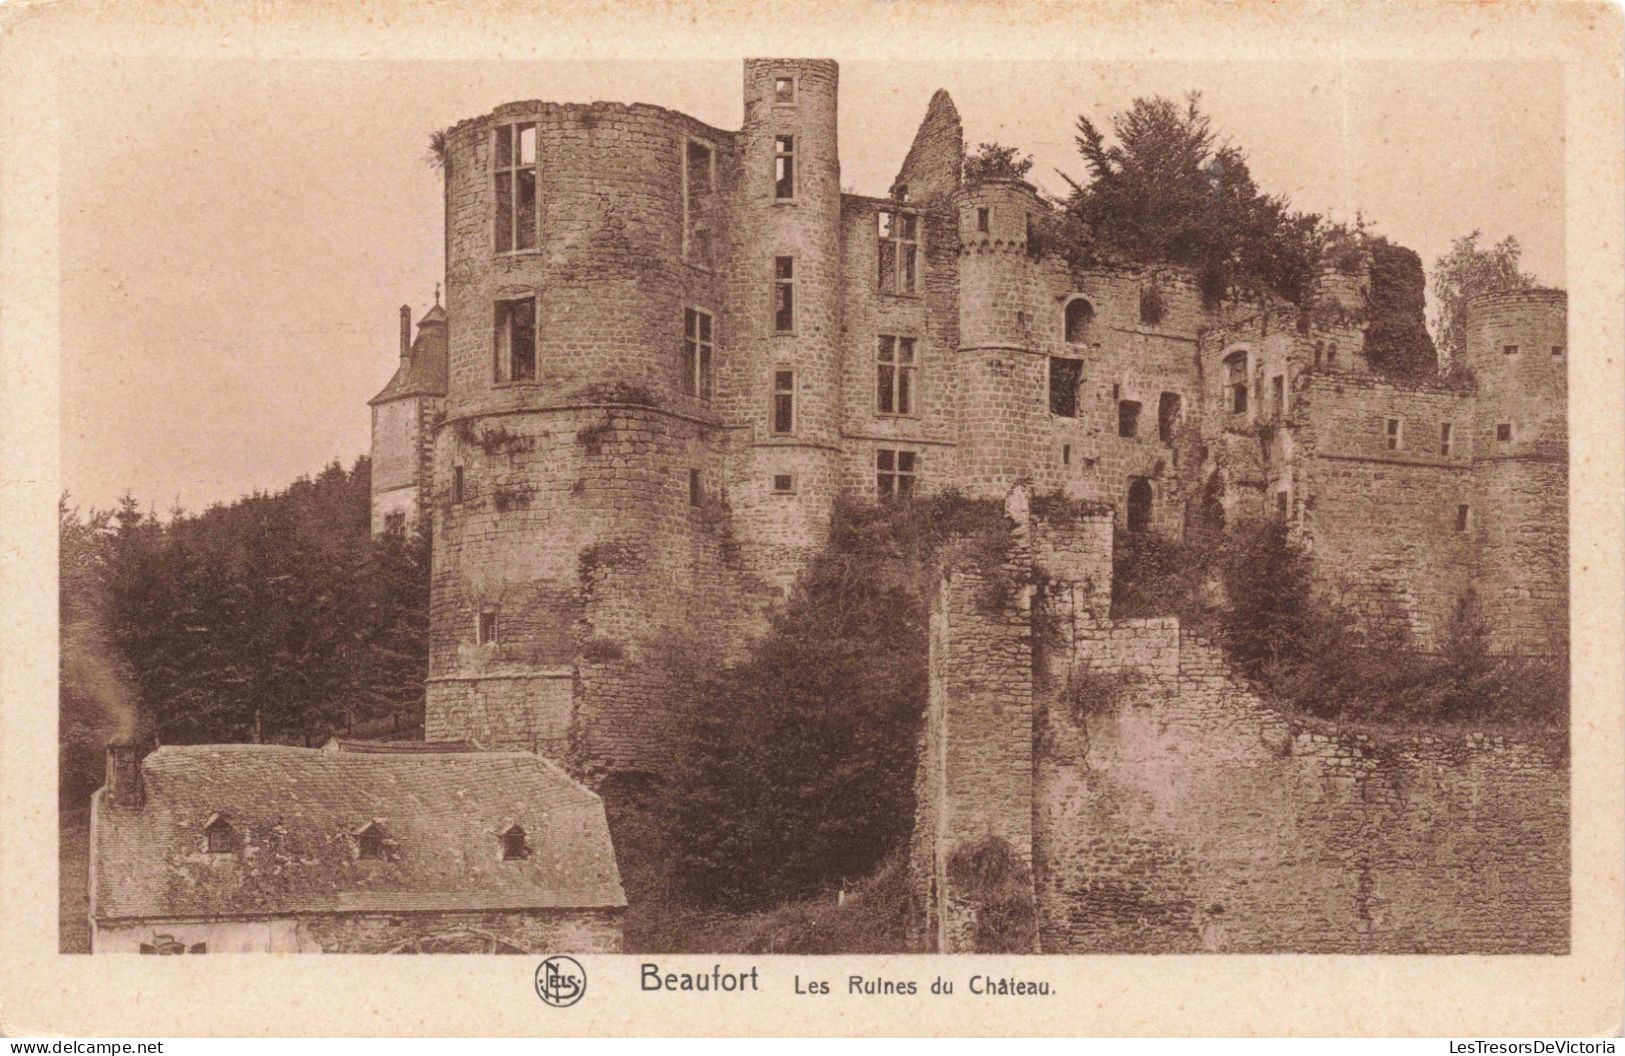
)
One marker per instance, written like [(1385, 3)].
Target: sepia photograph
[(789, 501)]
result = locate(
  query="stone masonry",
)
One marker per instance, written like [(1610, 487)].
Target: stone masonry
[(1189, 816), (668, 348)]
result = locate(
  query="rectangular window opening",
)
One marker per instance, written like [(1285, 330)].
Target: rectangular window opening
[(1464, 515), (899, 235), (1509, 350), (1446, 435), (895, 473), (1557, 351), (1128, 419), (784, 402), (699, 181), (783, 483), (1391, 434), (1503, 433), (487, 629), (513, 169), (895, 368), (1169, 408), (784, 91), (1278, 395), (784, 294), (983, 214), (696, 491), (1282, 508), (1065, 375), (456, 483), (1066, 454), (784, 167), (515, 339), (698, 349)]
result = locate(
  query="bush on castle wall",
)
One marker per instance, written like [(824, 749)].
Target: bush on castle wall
[(999, 886), (799, 774), (1253, 589)]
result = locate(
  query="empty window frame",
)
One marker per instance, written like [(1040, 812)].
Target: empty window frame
[(457, 484), (784, 294), (784, 402), (895, 473), (1236, 371), (514, 339), (1392, 434), (1080, 315), (784, 90), (1169, 408), (1128, 419), (395, 523), (1278, 395), (784, 484), (1464, 517), (485, 627), (1065, 375), (1503, 432), (984, 216), (1139, 504), (1447, 436), (698, 350), (699, 181), (899, 234), (1509, 350), (513, 172), (895, 375), (784, 168)]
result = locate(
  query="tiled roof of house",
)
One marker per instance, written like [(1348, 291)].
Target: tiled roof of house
[(422, 371), (294, 815)]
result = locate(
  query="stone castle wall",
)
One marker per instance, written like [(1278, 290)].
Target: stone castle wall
[(1194, 818), (1180, 813), (707, 511)]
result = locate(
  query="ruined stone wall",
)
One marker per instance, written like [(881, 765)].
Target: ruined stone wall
[(1381, 523), (1192, 817)]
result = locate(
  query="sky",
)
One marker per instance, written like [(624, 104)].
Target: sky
[(238, 235)]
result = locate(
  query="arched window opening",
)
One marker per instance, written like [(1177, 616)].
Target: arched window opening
[(1080, 316), (1139, 504)]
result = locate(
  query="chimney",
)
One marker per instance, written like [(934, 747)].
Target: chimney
[(124, 786), (406, 330)]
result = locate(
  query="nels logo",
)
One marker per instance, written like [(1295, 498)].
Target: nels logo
[(560, 981)]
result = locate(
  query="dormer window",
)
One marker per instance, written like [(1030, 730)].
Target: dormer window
[(514, 845), (369, 841), (219, 837)]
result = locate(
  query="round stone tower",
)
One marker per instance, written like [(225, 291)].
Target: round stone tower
[(1001, 420), (1517, 349), (784, 380), (579, 512)]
